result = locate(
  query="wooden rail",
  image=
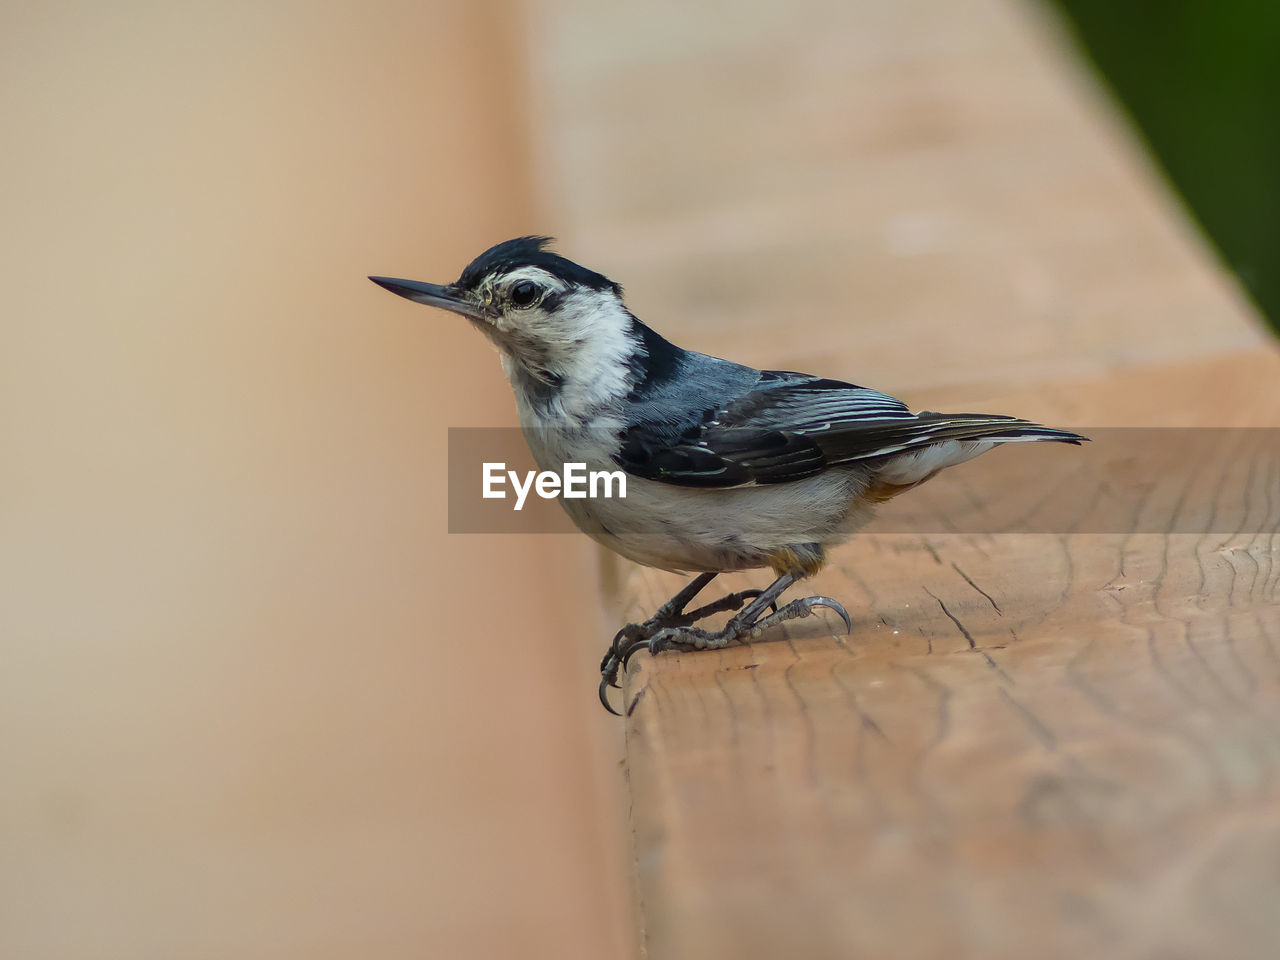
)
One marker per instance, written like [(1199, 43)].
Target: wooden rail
[(1030, 745)]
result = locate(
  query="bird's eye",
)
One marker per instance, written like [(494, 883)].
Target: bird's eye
[(524, 293)]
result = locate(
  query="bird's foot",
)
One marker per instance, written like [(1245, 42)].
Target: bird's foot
[(670, 616), (741, 629), (681, 635)]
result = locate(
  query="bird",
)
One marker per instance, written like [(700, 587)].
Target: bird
[(728, 467)]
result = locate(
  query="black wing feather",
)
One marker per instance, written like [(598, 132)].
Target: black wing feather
[(790, 426)]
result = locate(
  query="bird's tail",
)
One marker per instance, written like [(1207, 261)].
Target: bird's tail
[(935, 427), (941, 440)]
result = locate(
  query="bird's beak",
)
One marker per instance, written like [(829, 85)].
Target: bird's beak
[(433, 295)]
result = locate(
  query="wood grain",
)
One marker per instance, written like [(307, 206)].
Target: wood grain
[(1030, 745)]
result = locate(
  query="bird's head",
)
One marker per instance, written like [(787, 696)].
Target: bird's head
[(553, 320)]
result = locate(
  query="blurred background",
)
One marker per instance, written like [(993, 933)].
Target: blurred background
[(254, 700), (1201, 82)]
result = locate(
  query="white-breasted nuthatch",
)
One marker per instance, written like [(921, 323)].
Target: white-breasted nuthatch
[(729, 467)]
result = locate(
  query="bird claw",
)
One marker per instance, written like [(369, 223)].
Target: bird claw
[(805, 607), (680, 635), (619, 655), (631, 631), (633, 636), (625, 642), (604, 694)]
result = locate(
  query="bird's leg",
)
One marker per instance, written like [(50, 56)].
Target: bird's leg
[(670, 614), (730, 601), (675, 606), (742, 628)]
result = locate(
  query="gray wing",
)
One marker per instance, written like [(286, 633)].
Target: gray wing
[(789, 426)]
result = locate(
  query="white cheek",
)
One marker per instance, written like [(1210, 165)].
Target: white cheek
[(597, 344), (532, 324)]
